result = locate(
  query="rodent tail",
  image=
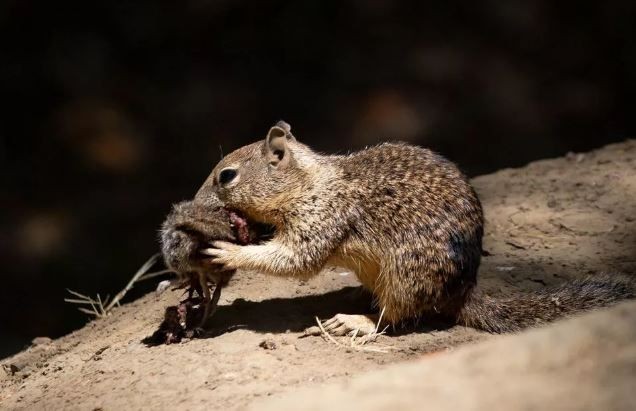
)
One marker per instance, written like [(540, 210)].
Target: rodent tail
[(498, 315)]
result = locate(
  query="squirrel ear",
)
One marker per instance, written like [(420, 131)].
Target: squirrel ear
[(285, 126), (276, 148)]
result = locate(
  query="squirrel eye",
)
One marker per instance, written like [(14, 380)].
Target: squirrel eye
[(226, 176)]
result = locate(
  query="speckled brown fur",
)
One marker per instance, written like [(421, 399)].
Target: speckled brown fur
[(403, 218)]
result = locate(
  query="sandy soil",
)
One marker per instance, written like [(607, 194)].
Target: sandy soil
[(584, 363), (547, 222)]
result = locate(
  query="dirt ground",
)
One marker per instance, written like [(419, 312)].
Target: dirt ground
[(547, 222), (583, 363)]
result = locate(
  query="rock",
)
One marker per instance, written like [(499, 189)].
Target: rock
[(41, 341), (268, 344)]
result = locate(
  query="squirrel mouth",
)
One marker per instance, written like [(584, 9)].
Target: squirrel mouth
[(241, 232), (240, 227)]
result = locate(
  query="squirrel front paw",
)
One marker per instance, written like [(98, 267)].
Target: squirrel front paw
[(224, 253)]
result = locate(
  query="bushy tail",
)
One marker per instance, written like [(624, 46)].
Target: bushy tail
[(497, 315)]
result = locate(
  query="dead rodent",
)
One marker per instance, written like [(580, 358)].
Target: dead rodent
[(179, 321), (404, 219), (190, 227)]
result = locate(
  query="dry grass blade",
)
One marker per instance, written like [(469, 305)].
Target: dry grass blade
[(154, 274), (97, 308), (377, 325), (372, 337), (77, 301), (100, 305), (76, 294), (142, 270), (101, 308), (325, 333), (87, 311)]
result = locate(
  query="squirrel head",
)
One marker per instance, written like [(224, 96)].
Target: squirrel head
[(261, 179)]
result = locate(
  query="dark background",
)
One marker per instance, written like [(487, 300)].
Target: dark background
[(115, 110)]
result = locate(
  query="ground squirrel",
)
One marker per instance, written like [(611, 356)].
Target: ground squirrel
[(404, 219)]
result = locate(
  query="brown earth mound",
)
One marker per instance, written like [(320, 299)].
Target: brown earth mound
[(548, 222)]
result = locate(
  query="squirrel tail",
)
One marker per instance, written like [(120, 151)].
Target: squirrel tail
[(498, 315)]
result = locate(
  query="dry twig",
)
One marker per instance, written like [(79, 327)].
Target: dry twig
[(99, 308)]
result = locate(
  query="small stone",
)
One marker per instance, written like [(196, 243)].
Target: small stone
[(268, 344), (41, 341)]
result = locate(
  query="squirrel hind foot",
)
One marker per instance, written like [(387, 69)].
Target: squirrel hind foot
[(346, 324)]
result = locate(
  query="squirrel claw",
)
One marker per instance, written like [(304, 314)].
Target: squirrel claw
[(212, 252), (222, 253), (311, 332)]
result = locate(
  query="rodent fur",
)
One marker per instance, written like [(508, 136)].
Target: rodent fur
[(404, 219)]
